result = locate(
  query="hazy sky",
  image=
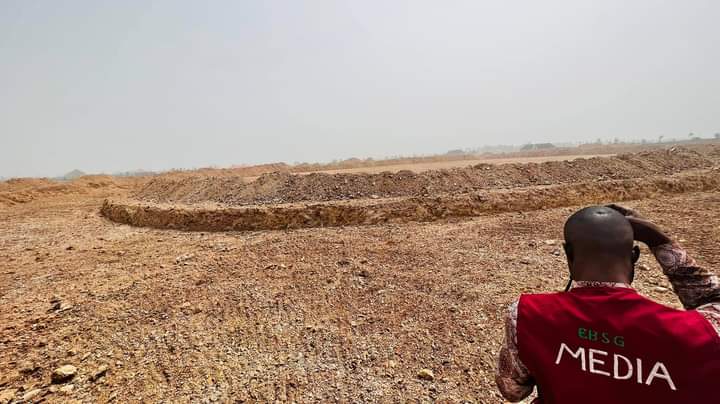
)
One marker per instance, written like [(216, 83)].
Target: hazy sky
[(120, 85)]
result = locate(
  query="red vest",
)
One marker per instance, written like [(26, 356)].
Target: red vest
[(611, 345)]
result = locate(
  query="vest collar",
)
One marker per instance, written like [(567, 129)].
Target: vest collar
[(598, 284)]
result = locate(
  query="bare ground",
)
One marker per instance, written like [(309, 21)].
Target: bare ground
[(318, 315), (343, 314)]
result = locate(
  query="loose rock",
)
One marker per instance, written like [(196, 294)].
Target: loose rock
[(7, 395), (100, 372), (63, 373), (185, 257), (426, 374), (27, 367), (9, 378), (31, 394)]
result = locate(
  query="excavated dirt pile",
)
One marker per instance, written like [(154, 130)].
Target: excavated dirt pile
[(277, 188), (23, 190), (281, 201), (398, 210)]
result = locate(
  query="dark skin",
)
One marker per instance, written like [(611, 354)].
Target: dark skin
[(599, 243), (644, 230)]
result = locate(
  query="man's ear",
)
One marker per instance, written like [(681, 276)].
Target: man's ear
[(635, 255)]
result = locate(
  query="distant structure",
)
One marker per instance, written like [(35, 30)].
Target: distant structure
[(456, 152), (72, 175), (135, 173), (537, 146)]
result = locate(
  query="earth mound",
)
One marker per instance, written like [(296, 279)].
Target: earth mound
[(23, 190), (283, 201), (283, 187)]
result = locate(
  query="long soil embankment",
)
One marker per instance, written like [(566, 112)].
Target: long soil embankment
[(283, 201), (280, 188), (402, 209)]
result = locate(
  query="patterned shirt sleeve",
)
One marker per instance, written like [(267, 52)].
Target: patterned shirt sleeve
[(513, 378), (696, 287)]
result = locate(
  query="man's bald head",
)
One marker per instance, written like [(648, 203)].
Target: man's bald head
[(599, 240)]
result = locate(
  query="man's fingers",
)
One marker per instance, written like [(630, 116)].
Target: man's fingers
[(644, 230), (623, 210), (618, 208), (639, 221), (639, 224)]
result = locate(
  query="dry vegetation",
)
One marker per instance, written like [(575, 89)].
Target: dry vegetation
[(341, 314)]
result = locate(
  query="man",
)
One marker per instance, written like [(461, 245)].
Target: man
[(600, 341)]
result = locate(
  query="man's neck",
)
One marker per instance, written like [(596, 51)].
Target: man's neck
[(605, 279), (617, 273)]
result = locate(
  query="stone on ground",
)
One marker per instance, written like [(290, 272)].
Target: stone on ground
[(426, 374), (30, 395), (63, 373), (7, 395)]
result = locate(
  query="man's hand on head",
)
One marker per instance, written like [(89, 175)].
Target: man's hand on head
[(627, 212), (644, 230)]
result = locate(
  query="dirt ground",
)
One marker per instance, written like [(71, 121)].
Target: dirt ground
[(345, 314)]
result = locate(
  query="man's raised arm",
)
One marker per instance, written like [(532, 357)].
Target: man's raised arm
[(696, 287)]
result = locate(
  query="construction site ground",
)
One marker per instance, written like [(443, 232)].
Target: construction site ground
[(342, 314)]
